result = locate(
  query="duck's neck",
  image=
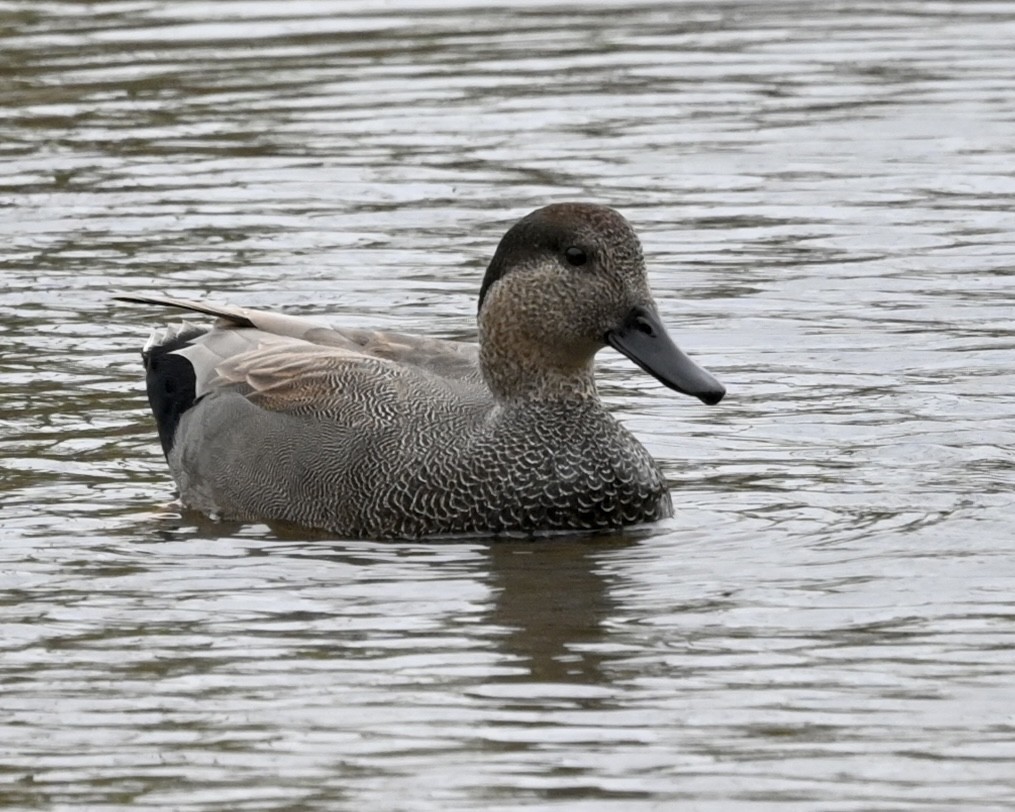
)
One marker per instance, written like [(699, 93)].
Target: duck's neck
[(518, 369)]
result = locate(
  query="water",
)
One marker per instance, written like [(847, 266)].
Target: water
[(826, 196)]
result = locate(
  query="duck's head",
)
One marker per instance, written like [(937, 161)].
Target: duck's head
[(566, 281)]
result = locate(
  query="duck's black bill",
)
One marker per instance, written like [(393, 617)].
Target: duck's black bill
[(644, 340)]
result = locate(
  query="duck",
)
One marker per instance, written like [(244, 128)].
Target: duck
[(373, 434)]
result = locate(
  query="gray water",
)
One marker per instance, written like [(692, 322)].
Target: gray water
[(826, 195)]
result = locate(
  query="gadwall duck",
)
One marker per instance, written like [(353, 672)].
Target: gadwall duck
[(383, 435)]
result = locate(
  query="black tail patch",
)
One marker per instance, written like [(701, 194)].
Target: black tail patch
[(171, 383)]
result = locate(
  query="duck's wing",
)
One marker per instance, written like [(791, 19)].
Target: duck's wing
[(354, 383), (240, 330), (342, 386)]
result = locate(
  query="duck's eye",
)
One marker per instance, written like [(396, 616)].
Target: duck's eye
[(575, 256)]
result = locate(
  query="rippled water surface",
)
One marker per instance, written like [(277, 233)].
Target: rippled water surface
[(825, 193)]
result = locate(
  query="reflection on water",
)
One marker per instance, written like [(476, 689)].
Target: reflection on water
[(825, 199), (553, 605)]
